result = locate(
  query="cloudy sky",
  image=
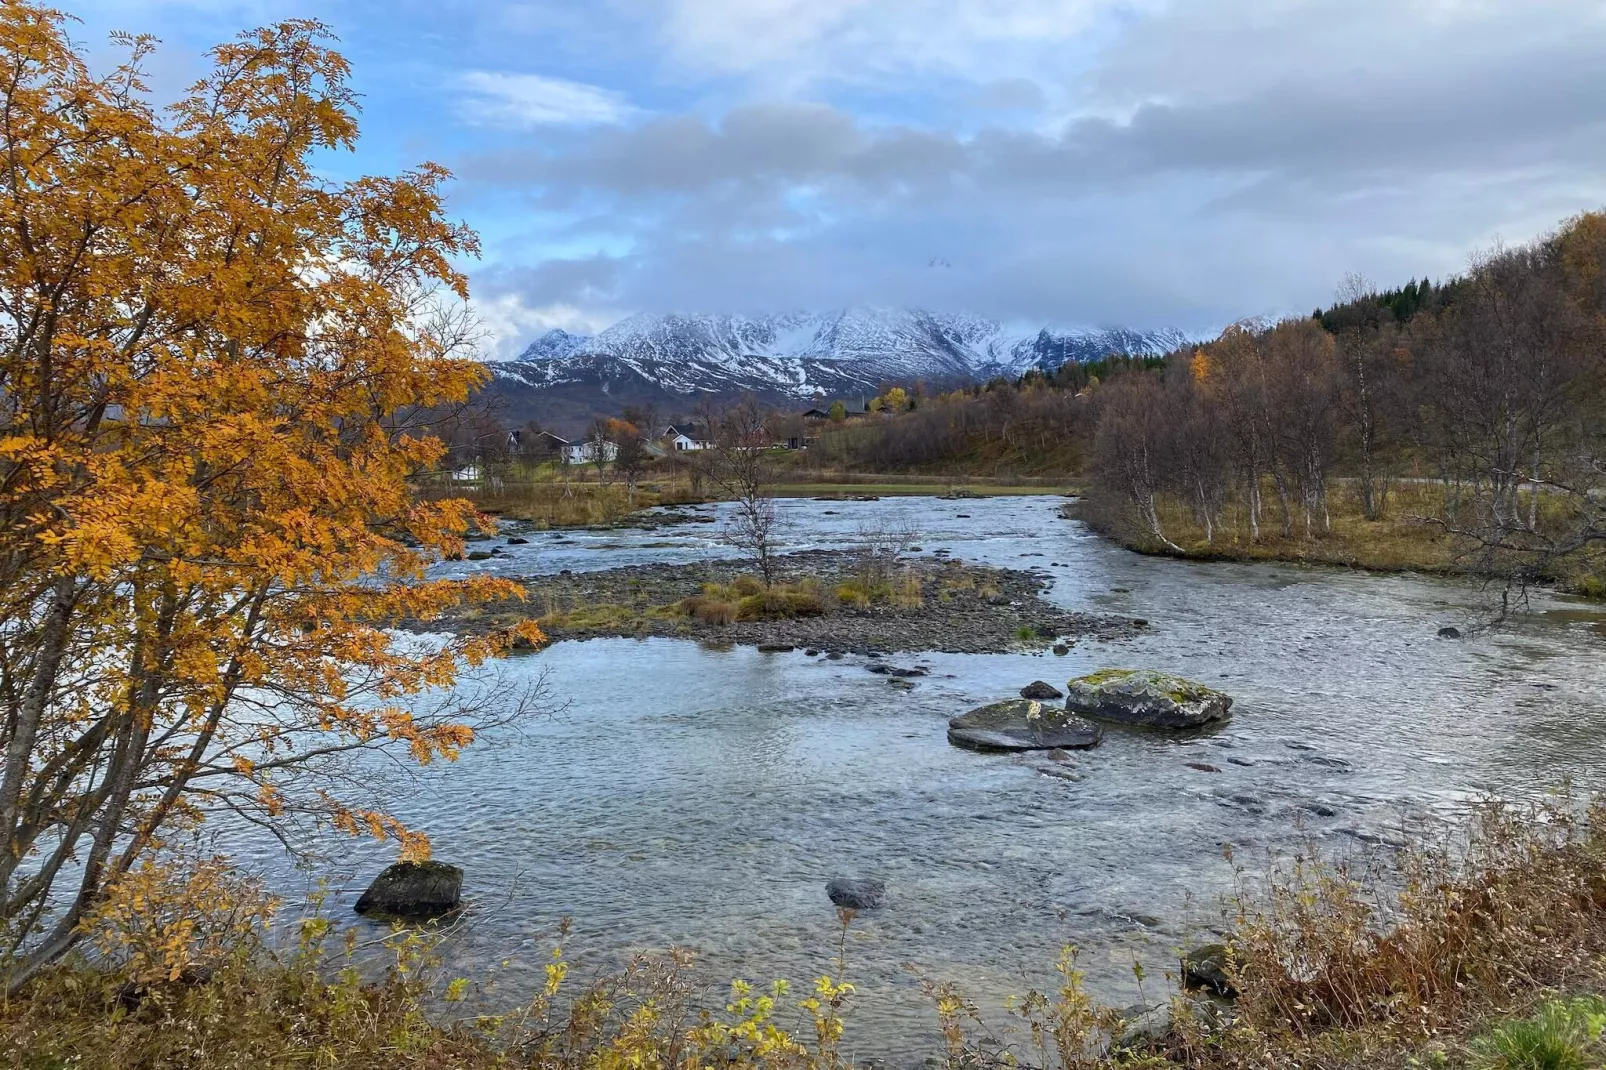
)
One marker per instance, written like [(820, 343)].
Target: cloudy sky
[(1144, 163)]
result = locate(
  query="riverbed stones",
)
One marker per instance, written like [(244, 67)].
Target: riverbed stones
[(853, 893), (1041, 691), (1146, 698), (901, 673), (414, 890), (1023, 725), (1144, 1027), (1205, 967)]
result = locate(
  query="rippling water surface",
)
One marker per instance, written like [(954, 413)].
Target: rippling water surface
[(698, 797)]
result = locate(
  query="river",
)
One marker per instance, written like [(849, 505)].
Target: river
[(697, 797)]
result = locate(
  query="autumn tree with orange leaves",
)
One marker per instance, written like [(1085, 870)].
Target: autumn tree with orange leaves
[(208, 355)]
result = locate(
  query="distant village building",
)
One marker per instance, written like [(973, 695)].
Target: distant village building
[(590, 451), (850, 410), (686, 438), (543, 446)]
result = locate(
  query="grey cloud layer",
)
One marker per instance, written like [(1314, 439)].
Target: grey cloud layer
[(1208, 175)]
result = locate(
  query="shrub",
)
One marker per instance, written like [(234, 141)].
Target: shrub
[(747, 599), (710, 609), (1564, 1035), (1515, 902), (907, 591), (790, 600), (853, 594)]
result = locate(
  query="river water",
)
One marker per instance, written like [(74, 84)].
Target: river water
[(697, 797)]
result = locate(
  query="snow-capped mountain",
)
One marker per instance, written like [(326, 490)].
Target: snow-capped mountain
[(799, 355)]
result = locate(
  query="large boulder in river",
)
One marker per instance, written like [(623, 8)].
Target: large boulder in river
[(1020, 725), (414, 890), (1145, 697)]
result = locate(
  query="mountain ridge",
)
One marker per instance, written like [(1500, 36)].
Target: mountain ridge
[(673, 359)]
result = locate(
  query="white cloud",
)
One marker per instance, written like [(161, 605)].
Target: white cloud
[(801, 42), (502, 98), (510, 323)]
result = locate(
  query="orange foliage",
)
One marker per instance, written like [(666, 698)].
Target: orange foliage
[(211, 361)]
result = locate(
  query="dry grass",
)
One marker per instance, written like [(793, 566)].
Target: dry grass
[(310, 1008), (1400, 540), (551, 497), (747, 598), (1416, 961), (1406, 538)]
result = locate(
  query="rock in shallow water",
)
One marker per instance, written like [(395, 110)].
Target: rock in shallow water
[(855, 894), (1020, 725), (894, 670), (1148, 698), (414, 890), (1041, 691), (1206, 968)]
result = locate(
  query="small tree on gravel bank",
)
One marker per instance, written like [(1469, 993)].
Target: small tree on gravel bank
[(740, 462)]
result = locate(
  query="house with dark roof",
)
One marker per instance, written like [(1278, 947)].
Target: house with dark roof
[(686, 438)]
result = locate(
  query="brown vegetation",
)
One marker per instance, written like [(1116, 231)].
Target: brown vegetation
[(1493, 395)]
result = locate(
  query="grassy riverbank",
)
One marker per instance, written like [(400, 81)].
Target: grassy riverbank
[(905, 488), (1479, 947), (1407, 537), (554, 498), (1403, 539)]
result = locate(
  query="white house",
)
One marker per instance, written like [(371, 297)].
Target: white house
[(685, 438), (590, 450)]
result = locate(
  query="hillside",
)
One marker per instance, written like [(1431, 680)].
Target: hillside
[(674, 361)]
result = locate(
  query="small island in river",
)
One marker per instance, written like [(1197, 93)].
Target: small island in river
[(831, 600)]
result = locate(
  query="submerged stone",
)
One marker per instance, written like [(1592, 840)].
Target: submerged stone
[(855, 894), (1148, 698), (1022, 725), (894, 670), (414, 890)]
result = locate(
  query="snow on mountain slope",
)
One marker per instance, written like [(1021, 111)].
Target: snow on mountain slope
[(801, 355)]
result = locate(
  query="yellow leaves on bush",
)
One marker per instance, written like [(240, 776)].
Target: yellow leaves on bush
[(163, 917)]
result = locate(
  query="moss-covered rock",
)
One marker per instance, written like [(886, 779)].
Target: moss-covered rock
[(1209, 968), (1021, 725), (1145, 697)]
